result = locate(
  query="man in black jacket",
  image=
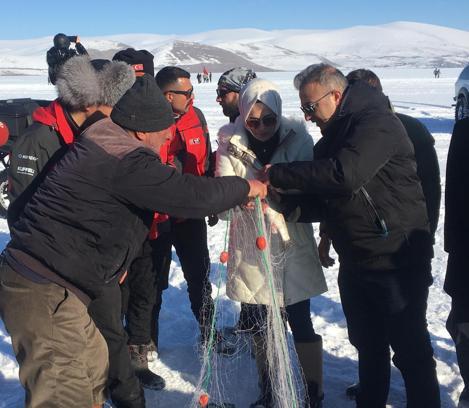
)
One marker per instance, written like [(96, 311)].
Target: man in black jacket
[(76, 238), (61, 53), (370, 198), (456, 244), (426, 159)]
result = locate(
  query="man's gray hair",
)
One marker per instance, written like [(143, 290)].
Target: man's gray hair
[(323, 74), (81, 85)]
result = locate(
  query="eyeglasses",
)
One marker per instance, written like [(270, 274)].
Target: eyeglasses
[(310, 107), (223, 92), (267, 121), (187, 93)]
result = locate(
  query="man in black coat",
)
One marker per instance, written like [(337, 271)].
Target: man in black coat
[(363, 184), (76, 238), (428, 170), (61, 52), (456, 244)]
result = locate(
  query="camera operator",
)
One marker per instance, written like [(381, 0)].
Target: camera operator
[(61, 52)]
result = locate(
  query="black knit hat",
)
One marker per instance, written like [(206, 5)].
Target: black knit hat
[(143, 107), (141, 60)]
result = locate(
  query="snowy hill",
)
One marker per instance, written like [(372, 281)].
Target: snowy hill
[(399, 44)]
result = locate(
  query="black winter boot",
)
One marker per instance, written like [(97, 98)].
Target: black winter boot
[(128, 398), (266, 398), (139, 360), (352, 391), (315, 398)]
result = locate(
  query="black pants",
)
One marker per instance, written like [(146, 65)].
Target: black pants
[(190, 242), (105, 310), (458, 319), (147, 278), (388, 308), (299, 319), (297, 315)]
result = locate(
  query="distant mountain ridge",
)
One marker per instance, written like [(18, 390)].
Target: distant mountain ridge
[(399, 44)]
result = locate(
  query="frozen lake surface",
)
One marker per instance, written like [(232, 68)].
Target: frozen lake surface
[(414, 92)]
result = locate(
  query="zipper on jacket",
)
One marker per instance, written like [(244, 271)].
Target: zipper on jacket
[(379, 221)]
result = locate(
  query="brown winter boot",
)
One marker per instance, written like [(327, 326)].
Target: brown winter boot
[(310, 357)]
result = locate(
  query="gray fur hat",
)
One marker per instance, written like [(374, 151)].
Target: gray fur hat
[(80, 84)]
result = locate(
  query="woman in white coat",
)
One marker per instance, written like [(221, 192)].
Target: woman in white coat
[(259, 136)]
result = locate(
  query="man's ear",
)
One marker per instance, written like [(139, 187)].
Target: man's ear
[(139, 135), (169, 97), (337, 97), (89, 110)]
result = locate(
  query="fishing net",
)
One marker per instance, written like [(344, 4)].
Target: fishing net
[(232, 381)]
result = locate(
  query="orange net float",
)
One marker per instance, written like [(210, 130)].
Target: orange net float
[(203, 400), (261, 243), (224, 257)]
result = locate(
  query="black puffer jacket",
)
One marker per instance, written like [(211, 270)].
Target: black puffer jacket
[(428, 168), (457, 190), (93, 211), (365, 173)]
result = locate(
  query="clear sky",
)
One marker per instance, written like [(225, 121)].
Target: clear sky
[(21, 19)]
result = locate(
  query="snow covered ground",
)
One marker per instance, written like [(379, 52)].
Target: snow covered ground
[(414, 92)]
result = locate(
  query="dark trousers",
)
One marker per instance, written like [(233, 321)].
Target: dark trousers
[(105, 310), (190, 242), (388, 308), (458, 319), (299, 319), (144, 283), (297, 315)]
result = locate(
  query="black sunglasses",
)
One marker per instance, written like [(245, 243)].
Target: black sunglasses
[(187, 93), (267, 121), (310, 107), (222, 92)]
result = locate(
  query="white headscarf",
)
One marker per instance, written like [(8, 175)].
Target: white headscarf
[(263, 91)]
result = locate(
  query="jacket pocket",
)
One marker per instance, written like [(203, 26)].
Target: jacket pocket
[(375, 218)]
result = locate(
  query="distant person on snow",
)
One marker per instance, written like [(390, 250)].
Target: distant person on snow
[(457, 244), (61, 52), (76, 238)]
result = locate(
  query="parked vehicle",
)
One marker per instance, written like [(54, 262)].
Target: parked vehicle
[(462, 95)]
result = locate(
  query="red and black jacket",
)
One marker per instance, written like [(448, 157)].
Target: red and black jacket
[(36, 151), (189, 150)]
